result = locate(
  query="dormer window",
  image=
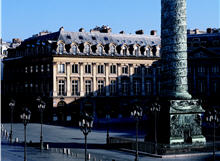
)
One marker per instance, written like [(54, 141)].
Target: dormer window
[(60, 48), (74, 49), (112, 50), (87, 49)]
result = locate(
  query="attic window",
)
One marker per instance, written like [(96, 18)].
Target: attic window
[(80, 37), (93, 37), (105, 38), (68, 37)]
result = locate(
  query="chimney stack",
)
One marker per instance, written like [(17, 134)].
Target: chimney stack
[(81, 30), (196, 31), (139, 32), (153, 32), (209, 30)]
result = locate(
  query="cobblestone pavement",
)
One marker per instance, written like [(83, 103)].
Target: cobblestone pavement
[(60, 135)]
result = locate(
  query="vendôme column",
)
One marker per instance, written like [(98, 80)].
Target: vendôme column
[(174, 49)]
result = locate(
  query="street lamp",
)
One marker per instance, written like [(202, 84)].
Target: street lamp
[(156, 109), (41, 107), (25, 117), (213, 118), (137, 114), (107, 135), (85, 125), (11, 105)]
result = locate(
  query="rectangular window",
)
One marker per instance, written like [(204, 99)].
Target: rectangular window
[(148, 71), (158, 70), (113, 87), (75, 87), (101, 90), (113, 69), (100, 69), (137, 70), (201, 86), (88, 69), (215, 69), (137, 87), (148, 87), (42, 68), (31, 69), (48, 67), (61, 85), (88, 85), (125, 87), (61, 68), (36, 68), (125, 70), (75, 68), (201, 69), (26, 69)]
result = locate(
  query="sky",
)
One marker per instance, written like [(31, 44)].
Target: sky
[(23, 18)]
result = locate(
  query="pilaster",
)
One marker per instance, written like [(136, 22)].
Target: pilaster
[(54, 79), (68, 78), (81, 80)]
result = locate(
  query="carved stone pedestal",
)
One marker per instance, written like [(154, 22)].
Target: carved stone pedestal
[(180, 122), (185, 122)]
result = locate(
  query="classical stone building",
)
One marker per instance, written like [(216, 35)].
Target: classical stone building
[(101, 71), (77, 70)]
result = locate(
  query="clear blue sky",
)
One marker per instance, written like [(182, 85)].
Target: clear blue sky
[(23, 18)]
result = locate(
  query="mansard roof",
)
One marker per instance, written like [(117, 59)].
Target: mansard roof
[(95, 38)]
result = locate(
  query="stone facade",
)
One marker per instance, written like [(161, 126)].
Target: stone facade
[(37, 66)]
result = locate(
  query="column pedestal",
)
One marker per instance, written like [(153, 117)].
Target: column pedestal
[(180, 123)]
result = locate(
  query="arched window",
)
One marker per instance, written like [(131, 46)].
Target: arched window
[(60, 48), (87, 49), (100, 50), (74, 49), (112, 50)]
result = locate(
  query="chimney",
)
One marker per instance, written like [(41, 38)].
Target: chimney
[(209, 30), (61, 29), (16, 40), (122, 32), (81, 30), (139, 32), (196, 31), (153, 32)]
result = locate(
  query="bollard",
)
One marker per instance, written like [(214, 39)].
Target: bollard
[(64, 150), (88, 156), (5, 132), (16, 140), (68, 151), (47, 146)]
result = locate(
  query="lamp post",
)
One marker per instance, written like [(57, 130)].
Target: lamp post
[(137, 114), (213, 119), (85, 125), (25, 117), (41, 107), (107, 135), (156, 109), (11, 105)]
